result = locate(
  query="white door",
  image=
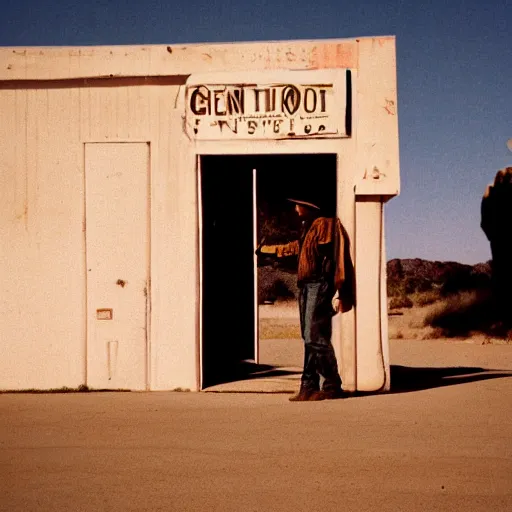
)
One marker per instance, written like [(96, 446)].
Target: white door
[(117, 257)]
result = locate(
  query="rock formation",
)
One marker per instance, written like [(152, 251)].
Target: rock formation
[(497, 225)]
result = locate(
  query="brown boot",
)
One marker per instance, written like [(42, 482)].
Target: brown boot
[(304, 395), (317, 396), (330, 394)]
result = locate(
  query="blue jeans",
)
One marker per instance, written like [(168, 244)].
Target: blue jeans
[(316, 313)]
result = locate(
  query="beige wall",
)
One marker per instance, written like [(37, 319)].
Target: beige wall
[(42, 321), (42, 312), (53, 101)]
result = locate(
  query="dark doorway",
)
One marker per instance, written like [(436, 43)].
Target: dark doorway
[(229, 296), (228, 321)]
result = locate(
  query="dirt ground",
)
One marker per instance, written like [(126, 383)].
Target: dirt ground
[(442, 440)]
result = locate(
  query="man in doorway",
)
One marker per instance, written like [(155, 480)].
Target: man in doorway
[(321, 276)]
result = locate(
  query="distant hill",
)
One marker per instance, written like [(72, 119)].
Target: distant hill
[(406, 276)]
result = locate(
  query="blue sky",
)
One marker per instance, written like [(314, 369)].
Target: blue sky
[(454, 60)]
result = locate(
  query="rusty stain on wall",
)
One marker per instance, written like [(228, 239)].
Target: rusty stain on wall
[(390, 107), (23, 214), (290, 56), (340, 55), (375, 174), (80, 62)]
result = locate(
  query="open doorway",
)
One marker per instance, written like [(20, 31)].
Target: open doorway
[(243, 201)]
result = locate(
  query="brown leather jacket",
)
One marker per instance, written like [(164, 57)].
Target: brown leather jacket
[(323, 231)]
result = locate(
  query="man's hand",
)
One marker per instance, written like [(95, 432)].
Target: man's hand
[(260, 245), (336, 303)]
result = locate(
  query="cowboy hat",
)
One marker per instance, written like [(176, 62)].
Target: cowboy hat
[(304, 203)]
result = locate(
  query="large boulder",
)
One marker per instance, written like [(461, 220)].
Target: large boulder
[(496, 223)]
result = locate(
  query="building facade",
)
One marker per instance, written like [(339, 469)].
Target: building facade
[(106, 177)]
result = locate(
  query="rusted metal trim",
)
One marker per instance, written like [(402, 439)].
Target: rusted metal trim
[(104, 81)]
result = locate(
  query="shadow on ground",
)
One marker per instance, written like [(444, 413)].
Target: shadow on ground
[(404, 379), (247, 370), (410, 378)]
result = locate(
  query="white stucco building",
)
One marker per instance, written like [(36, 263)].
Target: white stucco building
[(112, 158)]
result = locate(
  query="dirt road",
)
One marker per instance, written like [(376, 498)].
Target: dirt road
[(442, 441)]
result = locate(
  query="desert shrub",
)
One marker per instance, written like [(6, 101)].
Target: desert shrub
[(432, 334), (407, 286), (402, 301), (281, 290), (275, 284), (425, 298), (394, 288), (424, 285), (277, 223), (411, 285), (465, 280), (463, 313)]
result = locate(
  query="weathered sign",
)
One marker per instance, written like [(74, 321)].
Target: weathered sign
[(276, 111)]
